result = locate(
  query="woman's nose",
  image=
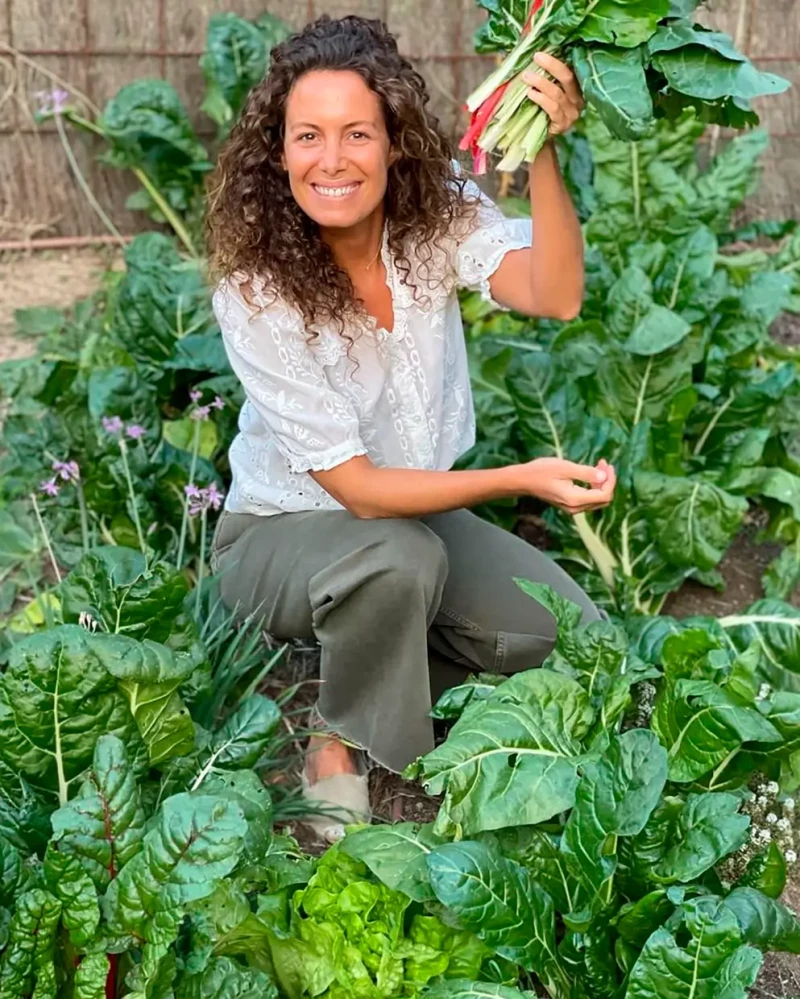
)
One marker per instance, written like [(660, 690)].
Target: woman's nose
[(332, 157)]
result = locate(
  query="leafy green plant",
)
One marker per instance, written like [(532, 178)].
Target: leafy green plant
[(633, 61), (670, 373), (590, 852)]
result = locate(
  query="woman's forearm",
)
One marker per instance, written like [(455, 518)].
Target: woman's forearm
[(558, 267), (380, 493)]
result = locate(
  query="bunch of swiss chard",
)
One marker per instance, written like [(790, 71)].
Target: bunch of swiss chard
[(670, 372), (634, 61), (599, 838)]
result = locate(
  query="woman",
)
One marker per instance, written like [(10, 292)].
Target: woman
[(342, 230)]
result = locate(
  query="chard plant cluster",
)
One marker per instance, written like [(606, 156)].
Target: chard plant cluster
[(670, 372)]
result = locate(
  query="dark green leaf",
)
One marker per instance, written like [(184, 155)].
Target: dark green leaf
[(396, 855), (766, 872), (764, 923)]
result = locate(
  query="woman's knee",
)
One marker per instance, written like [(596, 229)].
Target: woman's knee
[(410, 552)]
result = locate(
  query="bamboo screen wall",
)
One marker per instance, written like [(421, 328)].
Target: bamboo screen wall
[(96, 46)]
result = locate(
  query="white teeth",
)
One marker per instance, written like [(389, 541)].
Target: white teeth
[(335, 192)]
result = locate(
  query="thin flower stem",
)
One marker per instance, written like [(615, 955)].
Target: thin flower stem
[(200, 565), (84, 516), (123, 450), (185, 518), (83, 183), (165, 209), (46, 536)]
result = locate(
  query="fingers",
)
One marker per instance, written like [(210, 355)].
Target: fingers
[(550, 106), (577, 499), (594, 475), (561, 71)]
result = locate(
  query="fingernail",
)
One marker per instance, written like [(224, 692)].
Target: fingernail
[(601, 476)]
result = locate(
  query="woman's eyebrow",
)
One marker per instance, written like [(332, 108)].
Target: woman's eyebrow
[(350, 124)]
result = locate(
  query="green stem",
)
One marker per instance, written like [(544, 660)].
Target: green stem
[(713, 422), (123, 449), (84, 516), (46, 536), (83, 183), (625, 534), (200, 566), (637, 190), (602, 556), (185, 518), (166, 210)]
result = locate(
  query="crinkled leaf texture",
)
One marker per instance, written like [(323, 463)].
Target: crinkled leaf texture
[(713, 963), (57, 697), (616, 797), (511, 759), (497, 899), (474, 990), (397, 855), (103, 825), (195, 842), (75, 890), (91, 976), (226, 979), (27, 964)]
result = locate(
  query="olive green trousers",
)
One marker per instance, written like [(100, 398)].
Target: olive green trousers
[(402, 609)]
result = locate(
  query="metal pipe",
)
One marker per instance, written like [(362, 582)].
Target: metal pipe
[(60, 242)]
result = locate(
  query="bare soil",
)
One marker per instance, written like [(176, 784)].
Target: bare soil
[(59, 278)]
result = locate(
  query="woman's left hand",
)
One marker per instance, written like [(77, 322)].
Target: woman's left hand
[(561, 97)]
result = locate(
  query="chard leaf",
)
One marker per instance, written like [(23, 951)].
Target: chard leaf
[(764, 922), (243, 738), (195, 842), (247, 790), (615, 797), (104, 824), (226, 979), (629, 298), (27, 964), (694, 522), (118, 589), (712, 963), (90, 977), (539, 853), (497, 900), (766, 872), (72, 886), (627, 24), (614, 82), (462, 989), (704, 64), (453, 702), (702, 725), (57, 697), (149, 675), (697, 835), (660, 329), (511, 759), (397, 855), (636, 921), (234, 61), (782, 576), (686, 273), (774, 626)]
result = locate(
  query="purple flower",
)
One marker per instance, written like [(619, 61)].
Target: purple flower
[(218, 403), (195, 395), (49, 488), (201, 500), (135, 431), (201, 413), (112, 424), (214, 497), (67, 470), (52, 101)]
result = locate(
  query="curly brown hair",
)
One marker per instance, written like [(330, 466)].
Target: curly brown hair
[(255, 225)]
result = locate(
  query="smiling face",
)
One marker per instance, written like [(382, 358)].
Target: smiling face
[(337, 151)]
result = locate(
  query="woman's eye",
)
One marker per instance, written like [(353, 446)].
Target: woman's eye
[(307, 136), (359, 135)]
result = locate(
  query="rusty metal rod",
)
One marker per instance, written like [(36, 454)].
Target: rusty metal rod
[(60, 242)]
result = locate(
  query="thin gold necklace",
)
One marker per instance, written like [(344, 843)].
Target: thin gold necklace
[(371, 264)]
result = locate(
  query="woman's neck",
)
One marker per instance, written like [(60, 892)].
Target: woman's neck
[(356, 249)]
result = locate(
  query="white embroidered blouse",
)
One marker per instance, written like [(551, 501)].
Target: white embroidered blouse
[(407, 404)]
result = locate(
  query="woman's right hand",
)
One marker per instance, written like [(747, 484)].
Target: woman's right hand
[(553, 480)]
